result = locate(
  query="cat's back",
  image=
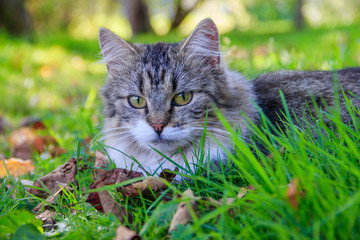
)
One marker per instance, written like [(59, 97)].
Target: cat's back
[(300, 88)]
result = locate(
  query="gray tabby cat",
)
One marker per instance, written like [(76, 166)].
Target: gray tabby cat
[(157, 96)]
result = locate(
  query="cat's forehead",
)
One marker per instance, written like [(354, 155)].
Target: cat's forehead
[(158, 55), (157, 66)]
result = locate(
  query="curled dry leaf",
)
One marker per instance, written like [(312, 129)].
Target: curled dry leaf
[(50, 200), (168, 175), (124, 233), (48, 219), (105, 177), (109, 204), (61, 176), (182, 215), (16, 167), (94, 199), (100, 160), (146, 187)]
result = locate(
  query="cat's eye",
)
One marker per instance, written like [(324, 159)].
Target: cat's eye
[(182, 99), (136, 102)]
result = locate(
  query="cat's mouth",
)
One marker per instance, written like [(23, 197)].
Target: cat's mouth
[(160, 140)]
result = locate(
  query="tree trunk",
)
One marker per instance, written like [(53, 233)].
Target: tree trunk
[(299, 17), (181, 13), (14, 17), (138, 16)]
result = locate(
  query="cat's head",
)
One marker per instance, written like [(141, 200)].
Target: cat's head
[(158, 95)]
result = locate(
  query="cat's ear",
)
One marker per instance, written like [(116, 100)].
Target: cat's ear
[(203, 43), (116, 51)]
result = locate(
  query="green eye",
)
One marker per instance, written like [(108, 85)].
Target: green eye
[(182, 99), (136, 102)]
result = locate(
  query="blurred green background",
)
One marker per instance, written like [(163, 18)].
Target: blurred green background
[(49, 54)]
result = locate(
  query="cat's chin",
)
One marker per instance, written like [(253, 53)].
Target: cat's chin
[(164, 145)]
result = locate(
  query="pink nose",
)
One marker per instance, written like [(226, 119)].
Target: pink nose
[(158, 127)]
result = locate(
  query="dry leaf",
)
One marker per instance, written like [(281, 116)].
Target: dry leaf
[(16, 167), (109, 204), (182, 215), (94, 200), (100, 159), (241, 194), (62, 175), (50, 200), (48, 219), (153, 183), (21, 141), (124, 233), (292, 193), (32, 122), (168, 175), (22, 136), (25, 140), (56, 150)]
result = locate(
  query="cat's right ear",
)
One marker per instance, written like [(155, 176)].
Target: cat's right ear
[(203, 43), (116, 51)]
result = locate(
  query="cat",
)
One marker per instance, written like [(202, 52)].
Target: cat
[(158, 96)]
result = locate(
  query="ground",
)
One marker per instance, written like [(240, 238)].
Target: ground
[(307, 188)]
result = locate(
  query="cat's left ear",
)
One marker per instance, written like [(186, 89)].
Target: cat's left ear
[(203, 43)]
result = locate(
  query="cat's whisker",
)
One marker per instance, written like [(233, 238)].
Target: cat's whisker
[(108, 130), (118, 134)]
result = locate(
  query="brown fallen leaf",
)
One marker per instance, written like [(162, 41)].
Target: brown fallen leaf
[(16, 167), (102, 200), (21, 141), (48, 219), (109, 204), (56, 150), (124, 233), (241, 194), (21, 136), (32, 122), (182, 215), (104, 177), (292, 193), (25, 140), (61, 176), (50, 200), (145, 187), (169, 175), (94, 199), (100, 159)]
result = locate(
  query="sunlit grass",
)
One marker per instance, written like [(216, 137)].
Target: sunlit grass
[(57, 79)]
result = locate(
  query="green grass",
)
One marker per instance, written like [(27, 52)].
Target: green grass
[(63, 90)]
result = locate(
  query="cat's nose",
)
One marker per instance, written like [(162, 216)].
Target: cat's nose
[(158, 127)]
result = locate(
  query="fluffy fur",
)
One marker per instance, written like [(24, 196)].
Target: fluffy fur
[(302, 89), (159, 71)]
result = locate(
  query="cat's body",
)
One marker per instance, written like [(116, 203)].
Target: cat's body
[(302, 88), (157, 97)]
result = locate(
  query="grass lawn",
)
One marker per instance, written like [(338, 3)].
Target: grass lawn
[(57, 79)]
